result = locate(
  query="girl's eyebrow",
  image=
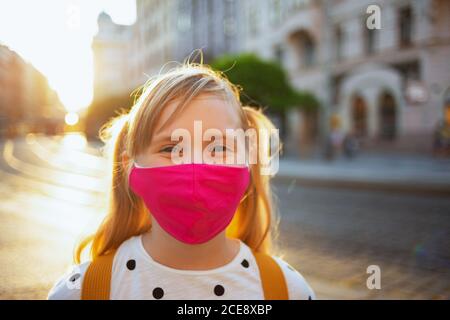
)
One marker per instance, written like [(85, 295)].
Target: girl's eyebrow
[(161, 138)]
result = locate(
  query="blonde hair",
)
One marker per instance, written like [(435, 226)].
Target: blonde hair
[(255, 222)]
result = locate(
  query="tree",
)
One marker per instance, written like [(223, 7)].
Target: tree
[(264, 83)]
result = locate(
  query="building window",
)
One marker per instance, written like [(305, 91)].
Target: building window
[(279, 54), (309, 52), (339, 38), (336, 85), (229, 27), (359, 116), (253, 21), (410, 72), (184, 19), (305, 48), (299, 4), (405, 26), (275, 12), (369, 40), (388, 116)]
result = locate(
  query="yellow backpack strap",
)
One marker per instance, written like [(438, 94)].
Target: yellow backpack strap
[(272, 277), (97, 279)]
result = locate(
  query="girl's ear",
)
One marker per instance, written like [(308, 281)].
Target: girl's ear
[(125, 158)]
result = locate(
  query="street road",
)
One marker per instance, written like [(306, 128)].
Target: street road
[(52, 192)]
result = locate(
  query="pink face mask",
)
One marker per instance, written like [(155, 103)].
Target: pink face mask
[(191, 202)]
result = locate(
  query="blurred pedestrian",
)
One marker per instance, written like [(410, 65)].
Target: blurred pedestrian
[(351, 145), (441, 139), (335, 138)]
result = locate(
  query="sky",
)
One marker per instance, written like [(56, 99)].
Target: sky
[(56, 36)]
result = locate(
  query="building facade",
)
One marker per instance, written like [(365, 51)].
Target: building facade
[(385, 85), (112, 49), (170, 30), (27, 103), (165, 31)]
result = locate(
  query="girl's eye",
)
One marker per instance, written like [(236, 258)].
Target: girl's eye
[(169, 149), (220, 148)]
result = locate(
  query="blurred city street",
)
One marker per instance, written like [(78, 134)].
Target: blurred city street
[(357, 90), (51, 192)]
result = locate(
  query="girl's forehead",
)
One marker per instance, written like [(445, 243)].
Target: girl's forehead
[(211, 110)]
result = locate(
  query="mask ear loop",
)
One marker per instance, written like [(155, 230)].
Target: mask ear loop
[(129, 191), (136, 164), (249, 189)]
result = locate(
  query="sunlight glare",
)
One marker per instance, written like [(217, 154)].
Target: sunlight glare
[(59, 44), (71, 118), (74, 140)]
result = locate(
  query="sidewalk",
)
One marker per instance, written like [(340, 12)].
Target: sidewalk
[(382, 172)]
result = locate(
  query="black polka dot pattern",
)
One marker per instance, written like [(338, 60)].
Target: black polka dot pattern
[(219, 290), (158, 293), (245, 263), (75, 277), (131, 264)]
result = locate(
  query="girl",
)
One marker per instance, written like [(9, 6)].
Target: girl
[(190, 230)]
